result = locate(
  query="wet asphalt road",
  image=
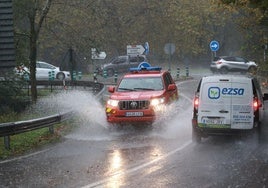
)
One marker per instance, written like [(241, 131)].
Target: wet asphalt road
[(162, 156)]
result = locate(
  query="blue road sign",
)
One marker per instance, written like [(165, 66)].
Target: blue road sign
[(214, 46), (146, 47)]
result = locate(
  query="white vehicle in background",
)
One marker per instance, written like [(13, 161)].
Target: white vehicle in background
[(43, 71), (227, 104), (225, 64)]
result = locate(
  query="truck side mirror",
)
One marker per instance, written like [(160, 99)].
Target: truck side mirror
[(111, 89), (171, 87)]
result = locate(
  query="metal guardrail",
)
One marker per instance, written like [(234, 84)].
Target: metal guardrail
[(9, 129), (12, 128), (68, 84)]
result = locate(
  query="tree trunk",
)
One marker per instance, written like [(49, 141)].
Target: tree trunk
[(33, 55), (34, 32)]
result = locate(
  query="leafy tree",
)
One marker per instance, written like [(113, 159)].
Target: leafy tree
[(261, 4), (251, 17), (111, 25)]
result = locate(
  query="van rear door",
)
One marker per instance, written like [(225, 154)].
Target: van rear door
[(242, 116), (226, 103)]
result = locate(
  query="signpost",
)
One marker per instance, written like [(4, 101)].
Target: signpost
[(96, 55), (169, 49), (135, 50), (265, 47), (146, 47), (214, 46)]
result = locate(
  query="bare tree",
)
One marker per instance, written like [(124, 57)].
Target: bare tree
[(35, 11), (35, 27)]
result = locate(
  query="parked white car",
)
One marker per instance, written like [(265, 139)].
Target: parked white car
[(44, 71)]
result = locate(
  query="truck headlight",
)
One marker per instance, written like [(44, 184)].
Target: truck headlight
[(157, 101), (113, 102)]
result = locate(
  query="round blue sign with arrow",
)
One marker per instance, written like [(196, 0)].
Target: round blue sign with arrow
[(214, 46)]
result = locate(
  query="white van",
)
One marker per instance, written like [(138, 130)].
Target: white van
[(225, 104)]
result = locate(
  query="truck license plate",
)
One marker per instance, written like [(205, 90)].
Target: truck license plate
[(134, 114), (213, 121)]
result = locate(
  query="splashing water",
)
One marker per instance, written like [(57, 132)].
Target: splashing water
[(90, 117), (176, 121)]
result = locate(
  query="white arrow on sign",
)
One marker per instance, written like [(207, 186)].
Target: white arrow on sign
[(101, 55), (214, 46), (96, 55), (135, 49)]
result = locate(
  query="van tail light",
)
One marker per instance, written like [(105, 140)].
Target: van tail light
[(196, 102), (218, 62), (256, 104)]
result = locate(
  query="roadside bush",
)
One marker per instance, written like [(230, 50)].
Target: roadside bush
[(13, 97)]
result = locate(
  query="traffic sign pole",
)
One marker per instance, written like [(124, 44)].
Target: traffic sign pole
[(169, 49), (214, 46), (146, 47)]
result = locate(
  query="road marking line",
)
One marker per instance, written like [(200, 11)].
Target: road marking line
[(22, 157), (132, 170), (186, 97), (181, 94)]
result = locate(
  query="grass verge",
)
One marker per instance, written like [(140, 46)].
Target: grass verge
[(28, 141)]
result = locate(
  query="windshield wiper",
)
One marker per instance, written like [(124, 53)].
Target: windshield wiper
[(126, 89)]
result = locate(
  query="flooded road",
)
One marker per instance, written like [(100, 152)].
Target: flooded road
[(159, 156)]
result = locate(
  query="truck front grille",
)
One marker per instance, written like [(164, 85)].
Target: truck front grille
[(132, 105)]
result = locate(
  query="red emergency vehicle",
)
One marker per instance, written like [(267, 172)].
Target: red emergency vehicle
[(140, 95)]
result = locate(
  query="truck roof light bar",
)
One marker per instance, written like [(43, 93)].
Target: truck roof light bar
[(145, 66)]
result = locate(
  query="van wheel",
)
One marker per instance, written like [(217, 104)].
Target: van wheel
[(257, 132), (196, 137), (224, 70), (257, 126)]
